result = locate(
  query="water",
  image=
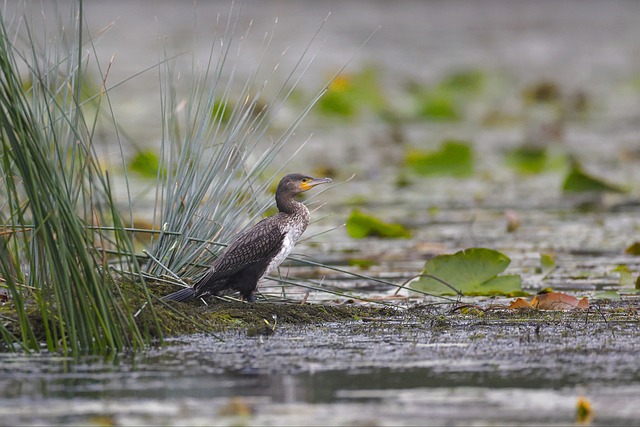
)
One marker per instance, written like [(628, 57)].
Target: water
[(465, 371), (391, 372)]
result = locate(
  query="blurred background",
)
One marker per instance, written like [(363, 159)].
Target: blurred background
[(495, 73)]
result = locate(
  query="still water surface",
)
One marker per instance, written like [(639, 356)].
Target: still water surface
[(405, 373)]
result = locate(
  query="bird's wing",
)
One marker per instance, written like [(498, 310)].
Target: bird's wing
[(259, 243)]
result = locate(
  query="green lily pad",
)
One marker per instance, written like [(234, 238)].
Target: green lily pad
[(471, 271), (221, 112), (610, 295), (547, 264), (577, 180), (348, 95), (627, 279), (438, 105), (360, 225), (145, 163), (528, 160), (469, 81), (633, 249), (453, 158)]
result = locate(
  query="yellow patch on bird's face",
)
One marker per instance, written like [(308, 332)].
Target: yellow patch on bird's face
[(305, 184)]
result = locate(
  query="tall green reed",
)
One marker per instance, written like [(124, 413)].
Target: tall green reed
[(56, 201)]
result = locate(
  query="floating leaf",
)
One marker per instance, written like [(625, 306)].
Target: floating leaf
[(626, 276), (348, 95), (544, 91), (578, 181), (528, 159), (453, 158), (584, 413), (364, 264), (221, 112), (444, 100), (145, 163), (361, 225), (472, 271), (519, 303), (610, 295), (547, 264), (558, 301), (633, 249), (463, 82), (438, 105)]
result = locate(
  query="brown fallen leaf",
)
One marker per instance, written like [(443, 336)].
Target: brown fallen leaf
[(520, 303), (558, 301)]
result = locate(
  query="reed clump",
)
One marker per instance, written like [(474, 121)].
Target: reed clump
[(70, 278)]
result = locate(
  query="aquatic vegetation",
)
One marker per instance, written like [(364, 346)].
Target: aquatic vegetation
[(452, 158), (445, 100), (542, 92), (633, 249), (360, 225), (547, 264), (145, 163), (528, 159), (438, 105), (553, 301), (577, 181), (67, 256), (60, 225), (216, 170), (473, 271), (531, 159), (464, 82), (349, 95)]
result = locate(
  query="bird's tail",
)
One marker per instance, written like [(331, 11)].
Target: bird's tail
[(183, 295)]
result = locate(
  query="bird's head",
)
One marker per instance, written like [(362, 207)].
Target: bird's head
[(296, 183)]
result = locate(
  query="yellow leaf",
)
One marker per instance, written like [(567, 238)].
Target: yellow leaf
[(584, 413)]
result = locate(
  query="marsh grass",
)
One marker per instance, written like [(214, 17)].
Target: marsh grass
[(218, 150), (55, 200), (69, 271)]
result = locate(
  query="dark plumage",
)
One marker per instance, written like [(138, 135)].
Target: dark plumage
[(259, 249)]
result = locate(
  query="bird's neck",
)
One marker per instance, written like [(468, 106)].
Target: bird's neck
[(291, 207)]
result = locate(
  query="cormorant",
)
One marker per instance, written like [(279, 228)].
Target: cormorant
[(260, 249)]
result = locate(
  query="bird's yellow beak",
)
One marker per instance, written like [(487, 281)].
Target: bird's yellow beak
[(312, 183)]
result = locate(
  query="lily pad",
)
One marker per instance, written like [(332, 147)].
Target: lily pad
[(453, 158), (627, 279), (348, 95), (528, 160), (577, 180), (633, 249), (466, 81), (360, 225), (438, 105), (610, 295), (145, 163), (547, 264), (221, 112), (472, 271)]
